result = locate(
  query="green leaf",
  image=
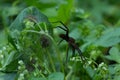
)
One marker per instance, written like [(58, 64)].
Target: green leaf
[(90, 71), (53, 76), (110, 37), (9, 58), (114, 54), (64, 11), (56, 76), (33, 78), (12, 40), (12, 66), (9, 76), (3, 38), (30, 13)]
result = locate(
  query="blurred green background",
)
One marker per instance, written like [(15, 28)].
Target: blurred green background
[(95, 25), (99, 11)]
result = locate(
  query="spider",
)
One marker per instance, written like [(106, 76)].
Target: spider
[(70, 41)]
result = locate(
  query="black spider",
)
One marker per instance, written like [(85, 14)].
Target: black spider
[(70, 41)]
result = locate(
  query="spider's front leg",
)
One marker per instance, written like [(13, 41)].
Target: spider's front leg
[(59, 41), (73, 51), (67, 54)]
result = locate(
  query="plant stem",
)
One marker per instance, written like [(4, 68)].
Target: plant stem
[(51, 61)]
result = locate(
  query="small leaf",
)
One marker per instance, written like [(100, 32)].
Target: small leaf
[(90, 71), (56, 76), (114, 55), (9, 58)]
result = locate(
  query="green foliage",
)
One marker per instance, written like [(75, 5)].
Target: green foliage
[(53, 76), (110, 37), (22, 39), (114, 55), (10, 76), (29, 50)]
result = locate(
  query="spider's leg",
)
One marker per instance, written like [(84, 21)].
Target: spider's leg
[(59, 41), (67, 30), (64, 25), (62, 28), (73, 51), (67, 54), (80, 52)]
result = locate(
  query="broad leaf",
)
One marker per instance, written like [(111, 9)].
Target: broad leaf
[(110, 37), (35, 78), (31, 13), (56, 76), (9, 76), (114, 55)]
